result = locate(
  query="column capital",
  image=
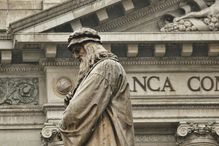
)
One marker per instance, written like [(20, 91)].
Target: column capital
[(198, 134), (50, 135)]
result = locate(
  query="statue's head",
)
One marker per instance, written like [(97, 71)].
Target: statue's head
[(86, 46), (82, 36)]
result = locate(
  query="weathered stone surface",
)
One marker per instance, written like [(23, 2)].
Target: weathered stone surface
[(6, 56), (20, 137)]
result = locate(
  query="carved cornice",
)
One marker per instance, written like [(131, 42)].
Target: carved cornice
[(175, 106), (141, 61), (125, 61), (47, 14), (59, 62), (171, 61), (133, 16), (19, 68)]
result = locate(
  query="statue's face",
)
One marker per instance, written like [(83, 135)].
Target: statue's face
[(79, 52)]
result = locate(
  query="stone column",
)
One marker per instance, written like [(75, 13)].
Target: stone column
[(198, 134)]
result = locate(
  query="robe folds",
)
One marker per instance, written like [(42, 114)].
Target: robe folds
[(100, 113)]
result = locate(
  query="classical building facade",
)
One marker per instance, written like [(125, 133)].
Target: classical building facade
[(171, 65)]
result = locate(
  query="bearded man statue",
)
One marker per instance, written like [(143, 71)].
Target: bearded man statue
[(98, 111)]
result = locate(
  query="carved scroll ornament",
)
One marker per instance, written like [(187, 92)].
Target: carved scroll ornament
[(50, 134)]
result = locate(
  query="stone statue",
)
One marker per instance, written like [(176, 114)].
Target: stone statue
[(204, 20), (98, 111)]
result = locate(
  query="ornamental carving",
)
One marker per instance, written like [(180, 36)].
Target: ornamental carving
[(198, 134), (16, 91), (50, 134), (207, 19)]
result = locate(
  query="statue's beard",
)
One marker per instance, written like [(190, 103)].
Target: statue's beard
[(84, 66)]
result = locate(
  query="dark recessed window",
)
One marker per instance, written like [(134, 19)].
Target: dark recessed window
[(141, 3), (194, 6), (200, 49), (173, 50), (90, 20), (115, 11), (63, 52), (63, 28), (145, 50), (17, 56), (119, 49)]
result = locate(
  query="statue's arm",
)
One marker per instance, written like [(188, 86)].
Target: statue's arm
[(85, 108), (203, 13)]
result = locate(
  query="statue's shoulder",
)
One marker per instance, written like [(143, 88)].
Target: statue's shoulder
[(109, 62), (106, 65)]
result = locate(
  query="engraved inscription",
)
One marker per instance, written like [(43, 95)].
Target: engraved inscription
[(173, 83)]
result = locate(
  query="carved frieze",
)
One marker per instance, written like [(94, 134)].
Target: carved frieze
[(143, 61), (16, 91)]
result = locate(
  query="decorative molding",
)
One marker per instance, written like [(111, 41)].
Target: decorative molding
[(170, 61), (59, 62), (132, 16), (16, 91), (47, 14), (140, 61), (20, 68), (123, 60), (175, 106)]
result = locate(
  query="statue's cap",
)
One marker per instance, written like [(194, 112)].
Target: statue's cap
[(82, 35)]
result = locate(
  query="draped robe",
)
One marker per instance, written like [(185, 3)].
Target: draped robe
[(100, 113)]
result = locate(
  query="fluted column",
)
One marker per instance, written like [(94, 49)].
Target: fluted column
[(198, 134)]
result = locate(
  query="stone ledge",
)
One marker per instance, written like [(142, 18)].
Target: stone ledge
[(122, 37), (21, 126)]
